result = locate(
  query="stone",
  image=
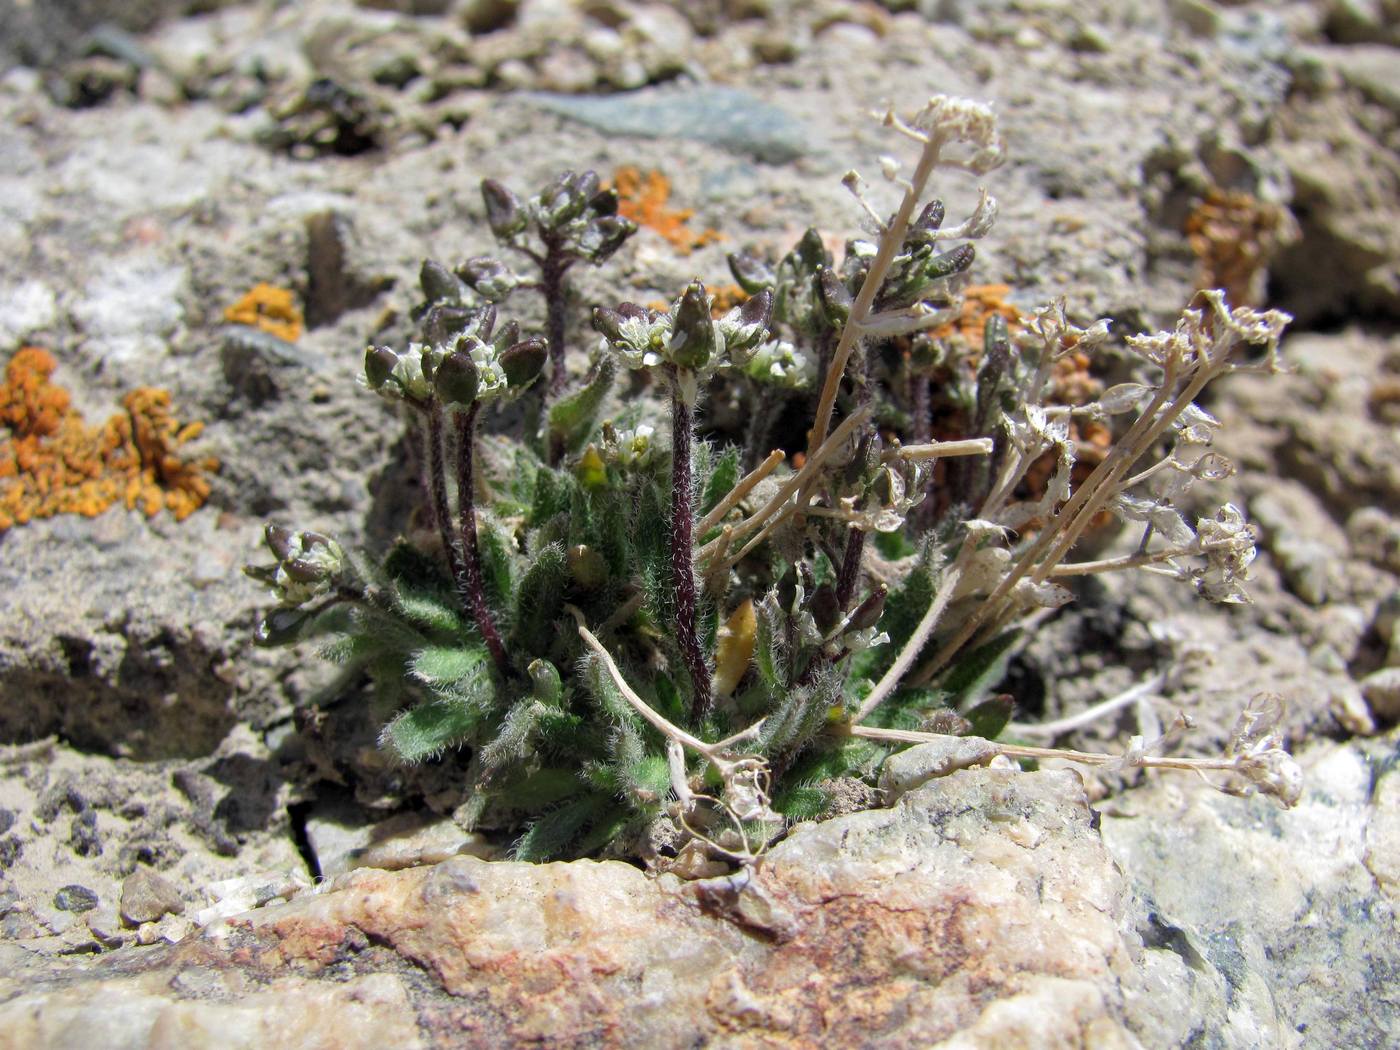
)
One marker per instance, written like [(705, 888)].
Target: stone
[(1382, 691), (905, 926), (726, 117), (1276, 923), (75, 898), (147, 896), (906, 770), (342, 841)]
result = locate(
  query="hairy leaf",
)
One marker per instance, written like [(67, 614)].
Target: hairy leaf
[(572, 419), (429, 729)]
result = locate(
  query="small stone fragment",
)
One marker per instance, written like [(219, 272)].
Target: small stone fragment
[(74, 898), (147, 896), (906, 770), (1382, 691)]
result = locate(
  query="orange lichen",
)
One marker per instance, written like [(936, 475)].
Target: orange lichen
[(272, 309), (51, 462), (725, 298), (642, 198), (980, 302), (1234, 235)]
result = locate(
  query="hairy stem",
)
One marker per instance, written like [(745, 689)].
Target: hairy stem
[(849, 574), (469, 581), (552, 269), (436, 485), (683, 553)]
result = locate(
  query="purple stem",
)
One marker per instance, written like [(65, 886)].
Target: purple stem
[(683, 556), (552, 269), (469, 581)]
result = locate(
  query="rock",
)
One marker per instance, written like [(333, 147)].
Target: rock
[(1375, 537), (74, 897), (1270, 917), (137, 1013), (1382, 691), (1349, 708), (246, 892), (981, 909), (146, 897), (105, 926), (343, 840), (726, 117), (1383, 834), (335, 283), (908, 769), (26, 307)]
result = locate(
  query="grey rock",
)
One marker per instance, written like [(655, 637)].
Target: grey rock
[(1382, 691), (911, 768), (726, 117), (74, 897), (147, 896)]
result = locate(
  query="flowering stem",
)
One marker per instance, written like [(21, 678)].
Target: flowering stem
[(683, 553), (552, 269), (437, 488), (469, 579)]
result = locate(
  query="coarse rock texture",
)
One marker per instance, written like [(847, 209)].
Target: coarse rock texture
[(158, 774), (980, 911)]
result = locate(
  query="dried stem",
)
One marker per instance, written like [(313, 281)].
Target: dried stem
[(891, 239), (738, 492), (1089, 715)]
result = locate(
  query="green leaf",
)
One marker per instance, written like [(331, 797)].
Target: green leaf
[(447, 664), (721, 480), (572, 419), (552, 496), (769, 654), (429, 729), (990, 717), (552, 834), (649, 776), (430, 608), (498, 558), (801, 802), (512, 739), (539, 599), (974, 675), (893, 545)]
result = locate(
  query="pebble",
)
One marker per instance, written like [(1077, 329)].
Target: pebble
[(147, 896), (74, 898), (906, 770), (1382, 691)]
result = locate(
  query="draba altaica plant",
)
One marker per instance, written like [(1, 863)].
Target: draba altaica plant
[(653, 648)]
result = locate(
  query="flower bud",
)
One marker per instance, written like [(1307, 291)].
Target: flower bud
[(280, 541), (931, 218), (604, 236), (835, 298), (438, 283), (380, 362), (524, 361), (503, 211), (489, 277), (811, 254), (279, 627), (455, 379), (693, 331), (751, 273), (868, 612)]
